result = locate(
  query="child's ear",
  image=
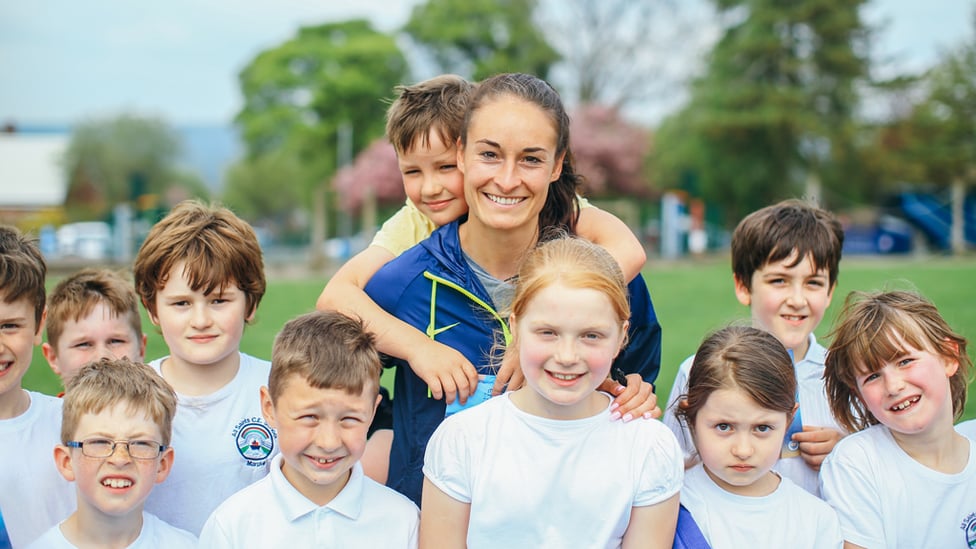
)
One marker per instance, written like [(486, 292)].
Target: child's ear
[(39, 334), (951, 348), (51, 356), (460, 155), (142, 347), (165, 465), (267, 408), (62, 460), (742, 292)]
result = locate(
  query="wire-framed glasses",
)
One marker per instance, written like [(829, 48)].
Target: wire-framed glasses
[(103, 447)]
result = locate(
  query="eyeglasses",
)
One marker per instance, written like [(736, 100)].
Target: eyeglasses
[(103, 447)]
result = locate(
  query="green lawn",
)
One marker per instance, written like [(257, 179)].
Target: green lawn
[(691, 299)]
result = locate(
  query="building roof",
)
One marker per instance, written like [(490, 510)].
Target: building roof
[(31, 174)]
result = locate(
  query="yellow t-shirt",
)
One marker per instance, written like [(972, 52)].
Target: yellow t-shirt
[(408, 226)]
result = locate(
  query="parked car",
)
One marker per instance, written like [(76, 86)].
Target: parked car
[(86, 240)]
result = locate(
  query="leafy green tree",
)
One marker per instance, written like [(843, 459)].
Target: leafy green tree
[(944, 128), (121, 159), (299, 96), (478, 38), (775, 107), (247, 184)]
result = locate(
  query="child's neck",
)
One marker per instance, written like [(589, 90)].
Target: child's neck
[(14, 403), (88, 527), (941, 449), (531, 402), (199, 379)]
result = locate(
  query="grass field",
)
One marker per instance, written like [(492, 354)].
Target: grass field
[(691, 298)]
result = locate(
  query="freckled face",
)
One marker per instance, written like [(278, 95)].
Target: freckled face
[(117, 485), (910, 394), (567, 340)]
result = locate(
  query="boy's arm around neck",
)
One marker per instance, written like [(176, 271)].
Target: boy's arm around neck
[(603, 228), (445, 370)]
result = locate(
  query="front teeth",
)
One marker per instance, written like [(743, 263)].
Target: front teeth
[(324, 461), (504, 201), (565, 377), (904, 405), (117, 483)]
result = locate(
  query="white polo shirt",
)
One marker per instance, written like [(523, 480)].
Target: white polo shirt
[(273, 513)]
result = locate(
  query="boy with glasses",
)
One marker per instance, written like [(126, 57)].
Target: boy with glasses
[(115, 433)]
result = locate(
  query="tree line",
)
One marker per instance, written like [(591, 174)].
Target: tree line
[(777, 108)]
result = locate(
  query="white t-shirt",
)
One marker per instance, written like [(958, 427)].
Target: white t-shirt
[(967, 429), (814, 410), (221, 444), (155, 534), (884, 498), (538, 482), (272, 513), (789, 517), (33, 494)]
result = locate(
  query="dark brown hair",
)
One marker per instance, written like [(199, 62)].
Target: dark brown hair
[(775, 232), (561, 210)]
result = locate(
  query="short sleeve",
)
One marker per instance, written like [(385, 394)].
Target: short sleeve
[(846, 485), (404, 229), (662, 472), (670, 419), (446, 461)]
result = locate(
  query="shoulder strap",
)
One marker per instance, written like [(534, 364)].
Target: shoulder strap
[(688, 535)]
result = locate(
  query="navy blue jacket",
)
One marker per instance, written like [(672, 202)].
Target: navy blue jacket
[(432, 288)]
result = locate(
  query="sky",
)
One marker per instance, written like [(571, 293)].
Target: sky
[(62, 61)]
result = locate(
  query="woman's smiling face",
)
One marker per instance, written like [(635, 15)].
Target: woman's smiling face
[(508, 162)]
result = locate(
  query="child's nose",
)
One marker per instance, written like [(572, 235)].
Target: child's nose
[(566, 351), (201, 317), (327, 437), (742, 447), (894, 382)]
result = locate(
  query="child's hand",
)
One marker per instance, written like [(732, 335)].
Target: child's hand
[(509, 376), (636, 399), (816, 443), (445, 370)]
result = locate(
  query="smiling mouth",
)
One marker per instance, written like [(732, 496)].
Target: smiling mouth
[(793, 318), (5, 366), (905, 404), (116, 483), (504, 200), (438, 204), (565, 377), (325, 461)]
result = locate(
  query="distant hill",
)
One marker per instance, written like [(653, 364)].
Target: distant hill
[(207, 150)]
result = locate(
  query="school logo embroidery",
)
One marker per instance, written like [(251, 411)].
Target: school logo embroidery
[(969, 527), (255, 441)]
